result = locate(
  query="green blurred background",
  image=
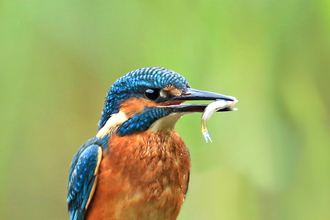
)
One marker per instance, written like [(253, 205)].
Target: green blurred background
[(269, 160)]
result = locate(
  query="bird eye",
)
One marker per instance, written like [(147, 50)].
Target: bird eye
[(152, 94)]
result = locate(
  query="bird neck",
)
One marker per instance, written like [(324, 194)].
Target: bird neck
[(135, 115), (166, 123), (110, 108), (143, 121)]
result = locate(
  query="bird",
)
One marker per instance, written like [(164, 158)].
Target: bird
[(137, 167)]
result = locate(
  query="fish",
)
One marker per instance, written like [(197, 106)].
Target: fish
[(217, 105)]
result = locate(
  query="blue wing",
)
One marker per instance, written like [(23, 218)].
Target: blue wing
[(83, 170)]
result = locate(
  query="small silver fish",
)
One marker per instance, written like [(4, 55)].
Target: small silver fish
[(210, 109)]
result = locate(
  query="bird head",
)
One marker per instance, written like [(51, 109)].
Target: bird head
[(150, 98)]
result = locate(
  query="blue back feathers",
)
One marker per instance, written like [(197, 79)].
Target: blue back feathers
[(82, 176), (134, 84)]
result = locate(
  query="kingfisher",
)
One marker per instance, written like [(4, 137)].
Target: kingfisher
[(137, 167)]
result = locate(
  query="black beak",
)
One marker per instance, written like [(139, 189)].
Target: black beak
[(194, 94)]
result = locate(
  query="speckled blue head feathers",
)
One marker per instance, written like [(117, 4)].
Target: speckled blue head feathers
[(153, 77)]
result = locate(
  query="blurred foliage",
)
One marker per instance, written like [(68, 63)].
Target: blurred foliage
[(269, 160)]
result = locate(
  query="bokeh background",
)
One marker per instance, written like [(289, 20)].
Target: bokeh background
[(270, 160)]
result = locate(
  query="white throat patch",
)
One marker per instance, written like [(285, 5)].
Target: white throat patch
[(112, 124), (166, 123)]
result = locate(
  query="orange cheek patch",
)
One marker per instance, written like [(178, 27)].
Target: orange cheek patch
[(172, 90), (133, 106)]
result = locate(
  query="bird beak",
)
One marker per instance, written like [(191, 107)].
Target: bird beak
[(194, 94)]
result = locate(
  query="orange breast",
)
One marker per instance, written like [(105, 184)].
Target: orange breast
[(142, 176)]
